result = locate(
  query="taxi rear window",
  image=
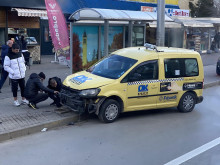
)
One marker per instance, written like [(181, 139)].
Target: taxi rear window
[(181, 67)]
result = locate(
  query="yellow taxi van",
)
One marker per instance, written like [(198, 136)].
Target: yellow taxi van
[(134, 79)]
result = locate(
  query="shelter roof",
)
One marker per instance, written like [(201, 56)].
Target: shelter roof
[(112, 14)]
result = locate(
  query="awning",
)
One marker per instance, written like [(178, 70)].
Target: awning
[(191, 22), (30, 12), (167, 25), (209, 20), (114, 15)]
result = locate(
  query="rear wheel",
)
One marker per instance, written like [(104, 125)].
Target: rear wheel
[(187, 102), (109, 111)]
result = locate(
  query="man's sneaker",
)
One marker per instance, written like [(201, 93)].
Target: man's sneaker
[(24, 101), (16, 103), (32, 105)]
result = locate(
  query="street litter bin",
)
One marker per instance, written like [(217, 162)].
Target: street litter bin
[(30, 61)]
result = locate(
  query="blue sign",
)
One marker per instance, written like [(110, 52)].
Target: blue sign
[(143, 88), (81, 78)]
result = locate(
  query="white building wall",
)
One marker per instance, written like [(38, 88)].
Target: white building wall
[(184, 4)]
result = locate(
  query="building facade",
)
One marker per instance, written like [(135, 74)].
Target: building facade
[(184, 4)]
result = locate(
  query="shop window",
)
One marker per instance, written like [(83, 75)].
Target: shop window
[(46, 34), (2, 36)]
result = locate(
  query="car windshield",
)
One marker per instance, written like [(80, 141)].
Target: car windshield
[(113, 66)]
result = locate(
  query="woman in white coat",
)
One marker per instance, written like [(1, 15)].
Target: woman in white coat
[(14, 64)]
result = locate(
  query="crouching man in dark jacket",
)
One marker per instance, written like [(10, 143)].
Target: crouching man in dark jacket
[(55, 83), (33, 86)]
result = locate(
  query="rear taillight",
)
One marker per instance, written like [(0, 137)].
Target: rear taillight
[(203, 84)]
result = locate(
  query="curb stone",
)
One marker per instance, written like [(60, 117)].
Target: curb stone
[(38, 128), (211, 84)]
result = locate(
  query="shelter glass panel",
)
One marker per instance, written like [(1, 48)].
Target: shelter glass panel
[(138, 36), (115, 39), (87, 49)]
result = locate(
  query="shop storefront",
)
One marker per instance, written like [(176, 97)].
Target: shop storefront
[(173, 34), (17, 22), (197, 35)]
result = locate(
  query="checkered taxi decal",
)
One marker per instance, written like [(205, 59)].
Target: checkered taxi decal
[(153, 81)]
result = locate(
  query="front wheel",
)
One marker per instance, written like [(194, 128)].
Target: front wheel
[(109, 111), (187, 102)]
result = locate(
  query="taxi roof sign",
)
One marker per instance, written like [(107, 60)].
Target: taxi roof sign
[(150, 46)]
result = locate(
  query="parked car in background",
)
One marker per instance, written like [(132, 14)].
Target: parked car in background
[(218, 67)]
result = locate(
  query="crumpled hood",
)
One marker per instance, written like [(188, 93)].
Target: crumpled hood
[(86, 80)]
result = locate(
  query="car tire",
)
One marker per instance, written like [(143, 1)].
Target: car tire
[(217, 69), (109, 111), (187, 102)]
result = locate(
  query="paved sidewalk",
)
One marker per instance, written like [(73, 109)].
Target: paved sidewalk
[(20, 121)]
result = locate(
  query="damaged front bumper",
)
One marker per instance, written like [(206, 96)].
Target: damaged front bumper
[(71, 98)]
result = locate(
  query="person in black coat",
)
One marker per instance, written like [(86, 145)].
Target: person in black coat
[(4, 74), (55, 83), (33, 86)]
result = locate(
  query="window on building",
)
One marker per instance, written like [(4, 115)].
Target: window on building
[(2, 36)]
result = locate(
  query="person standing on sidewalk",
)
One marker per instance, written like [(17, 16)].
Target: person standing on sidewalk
[(33, 86), (14, 64), (4, 74)]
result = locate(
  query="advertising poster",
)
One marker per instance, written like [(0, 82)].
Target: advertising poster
[(115, 39), (58, 28), (88, 44)]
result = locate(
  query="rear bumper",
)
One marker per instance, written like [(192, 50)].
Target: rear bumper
[(199, 99)]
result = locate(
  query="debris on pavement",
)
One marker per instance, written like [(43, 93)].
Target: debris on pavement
[(44, 130)]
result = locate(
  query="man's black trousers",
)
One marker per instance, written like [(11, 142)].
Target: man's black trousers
[(38, 98), (56, 99)]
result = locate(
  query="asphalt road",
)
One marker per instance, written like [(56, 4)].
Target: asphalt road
[(142, 138)]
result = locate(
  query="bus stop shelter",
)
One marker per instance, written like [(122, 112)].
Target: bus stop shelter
[(110, 16)]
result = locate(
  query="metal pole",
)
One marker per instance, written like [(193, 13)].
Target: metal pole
[(6, 27), (106, 31), (130, 30), (71, 47), (99, 43), (160, 22)]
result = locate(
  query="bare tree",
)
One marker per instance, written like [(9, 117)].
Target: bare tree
[(217, 7)]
